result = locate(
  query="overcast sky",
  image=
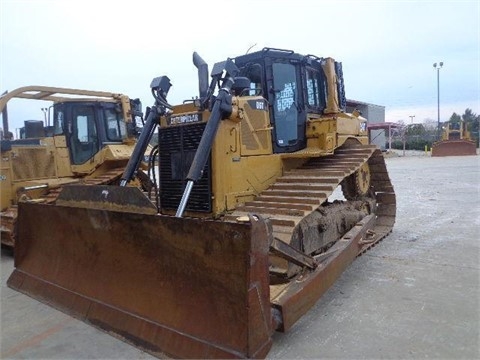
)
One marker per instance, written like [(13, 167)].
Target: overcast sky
[(387, 47)]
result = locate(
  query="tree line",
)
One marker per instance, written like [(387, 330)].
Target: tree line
[(419, 136)]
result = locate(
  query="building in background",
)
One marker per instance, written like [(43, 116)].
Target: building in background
[(375, 114)]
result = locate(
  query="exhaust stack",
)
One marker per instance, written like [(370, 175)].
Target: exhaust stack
[(6, 131), (202, 67)]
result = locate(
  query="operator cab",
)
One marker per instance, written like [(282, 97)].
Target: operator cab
[(295, 86), (88, 127)]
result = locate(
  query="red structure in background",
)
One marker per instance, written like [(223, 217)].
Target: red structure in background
[(387, 126)]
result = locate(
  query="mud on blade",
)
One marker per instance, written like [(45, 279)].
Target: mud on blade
[(105, 197)]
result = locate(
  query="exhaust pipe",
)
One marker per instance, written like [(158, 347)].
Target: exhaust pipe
[(202, 67), (6, 130)]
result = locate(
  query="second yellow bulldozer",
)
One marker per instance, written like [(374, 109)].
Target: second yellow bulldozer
[(247, 232), (87, 137), (456, 141)]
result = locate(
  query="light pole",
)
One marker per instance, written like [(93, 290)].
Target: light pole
[(438, 96)]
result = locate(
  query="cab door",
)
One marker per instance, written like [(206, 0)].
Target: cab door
[(82, 134), (288, 114)]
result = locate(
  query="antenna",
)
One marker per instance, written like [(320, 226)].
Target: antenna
[(250, 48)]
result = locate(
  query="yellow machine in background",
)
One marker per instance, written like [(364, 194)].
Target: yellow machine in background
[(456, 141), (244, 236), (88, 138)]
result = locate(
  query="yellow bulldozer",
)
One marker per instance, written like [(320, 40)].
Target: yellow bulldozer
[(456, 141), (247, 231), (87, 137)]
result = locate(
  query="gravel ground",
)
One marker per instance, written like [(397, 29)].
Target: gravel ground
[(413, 296), (416, 294)]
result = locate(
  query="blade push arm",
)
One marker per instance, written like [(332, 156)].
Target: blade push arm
[(160, 87)]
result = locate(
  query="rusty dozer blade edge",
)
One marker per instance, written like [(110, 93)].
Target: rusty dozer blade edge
[(188, 288), (454, 148)]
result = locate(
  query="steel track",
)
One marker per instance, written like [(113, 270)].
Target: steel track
[(301, 191)]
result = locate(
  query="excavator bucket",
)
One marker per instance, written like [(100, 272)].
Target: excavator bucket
[(187, 288), (458, 147)]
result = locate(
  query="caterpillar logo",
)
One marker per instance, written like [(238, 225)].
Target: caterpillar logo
[(184, 119)]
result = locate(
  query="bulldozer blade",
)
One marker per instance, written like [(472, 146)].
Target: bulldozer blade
[(454, 148), (187, 288), (106, 197)]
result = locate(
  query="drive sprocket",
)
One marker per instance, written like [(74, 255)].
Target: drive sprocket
[(358, 184)]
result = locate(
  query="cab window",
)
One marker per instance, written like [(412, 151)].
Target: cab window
[(115, 125), (83, 139), (315, 90), (285, 104), (58, 121)]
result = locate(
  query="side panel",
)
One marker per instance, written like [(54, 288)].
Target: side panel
[(63, 157), (185, 287), (238, 177), (251, 175), (5, 181), (256, 138), (348, 126), (32, 162)]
